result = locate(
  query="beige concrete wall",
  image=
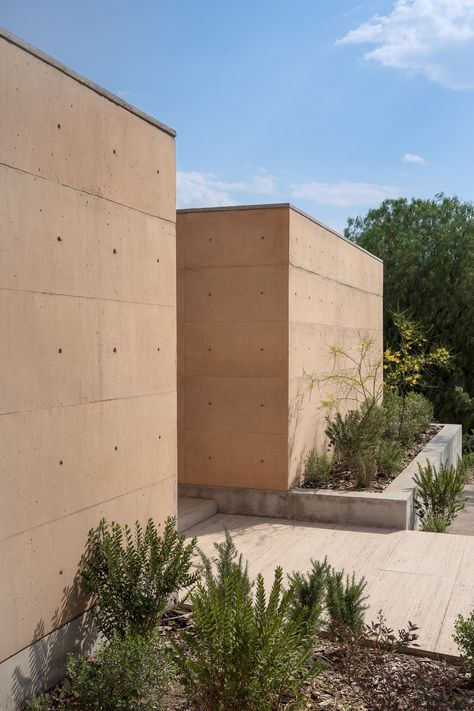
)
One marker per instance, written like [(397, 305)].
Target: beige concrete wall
[(232, 344), (335, 294), (88, 347), (262, 294)]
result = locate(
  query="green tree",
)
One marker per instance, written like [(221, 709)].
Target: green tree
[(428, 251)]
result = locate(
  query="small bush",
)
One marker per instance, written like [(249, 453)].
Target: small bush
[(126, 672), (310, 588), (389, 458), (317, 469), (244, 652), (464, 638), (345, 600), (439, 494), (38, 702), (355, 438), (131, 576), (418, 415)]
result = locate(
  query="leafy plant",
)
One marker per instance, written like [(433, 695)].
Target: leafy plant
[(310, 588), (38, 702), (127, 670), (389, 458), (355, 439), (317, 469), (464, 638), (438, 497), (405, 366), (418, 415), (244, 652), (345, 600), (130, 576)]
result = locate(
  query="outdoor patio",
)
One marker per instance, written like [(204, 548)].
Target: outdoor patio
[(427, 578)]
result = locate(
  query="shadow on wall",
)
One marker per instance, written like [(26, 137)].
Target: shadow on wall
[(48, 651), (296, 415)]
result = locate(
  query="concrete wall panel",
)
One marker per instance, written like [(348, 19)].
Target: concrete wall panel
[(236, 404), (87, 246), (55, 127), (257, 459), (235, 294), (251, 238), (62, 350), (234, 349), (94, 452)]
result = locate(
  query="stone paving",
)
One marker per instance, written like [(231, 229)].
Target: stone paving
[(427, 578)]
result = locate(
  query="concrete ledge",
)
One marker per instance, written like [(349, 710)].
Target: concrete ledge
[(391, 509)]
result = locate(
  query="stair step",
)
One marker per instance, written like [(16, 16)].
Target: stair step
[(192, 511)]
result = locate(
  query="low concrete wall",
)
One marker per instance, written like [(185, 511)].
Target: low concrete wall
[(392, 508)]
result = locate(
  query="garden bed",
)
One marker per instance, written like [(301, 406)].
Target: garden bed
[(402, 682), (343, 479)]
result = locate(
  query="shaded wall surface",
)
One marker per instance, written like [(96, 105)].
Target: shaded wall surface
[(88, 314), (263, 291)]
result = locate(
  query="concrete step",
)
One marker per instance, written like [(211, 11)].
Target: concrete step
[(192, 511)]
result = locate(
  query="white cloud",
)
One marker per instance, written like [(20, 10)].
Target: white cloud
[(197, 189), (431, 37), (344, 194), (413, 158)]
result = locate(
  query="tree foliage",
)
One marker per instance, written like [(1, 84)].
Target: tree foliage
[(427, 247)]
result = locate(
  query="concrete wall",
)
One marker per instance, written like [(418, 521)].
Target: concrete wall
[(263, 292), (88, 347), (335, 294), (232, 345)]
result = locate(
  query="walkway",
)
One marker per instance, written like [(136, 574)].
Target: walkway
[(427, 578)]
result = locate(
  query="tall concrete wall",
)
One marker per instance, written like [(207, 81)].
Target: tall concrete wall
[(88, 347), (263, 292), (232, 344), (336, 294)]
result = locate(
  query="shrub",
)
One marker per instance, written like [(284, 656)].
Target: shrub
[(131, 576), (464, 638), (310, 588), (126, 671), (438, 497), (244, 652), (345, 600), (418, 415), (355, 438), (389, 458), (317, 469)]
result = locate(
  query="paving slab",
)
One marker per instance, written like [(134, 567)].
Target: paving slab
[(425, 578)]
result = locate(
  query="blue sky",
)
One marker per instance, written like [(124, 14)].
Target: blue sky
[(333, 106)]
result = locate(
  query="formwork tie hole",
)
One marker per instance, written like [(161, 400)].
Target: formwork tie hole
[(115, 349)]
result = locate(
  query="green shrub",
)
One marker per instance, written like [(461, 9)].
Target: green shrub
[(464, 638), (355, 437), (345, 600), (131, 576), (244, 652), (317, 469), (310, 588), (417, 417), (129, 672), (438, 497), (389, 458), (38, 702)]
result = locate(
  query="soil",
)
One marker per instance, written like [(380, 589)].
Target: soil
[(377, 681), (343, 479)]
